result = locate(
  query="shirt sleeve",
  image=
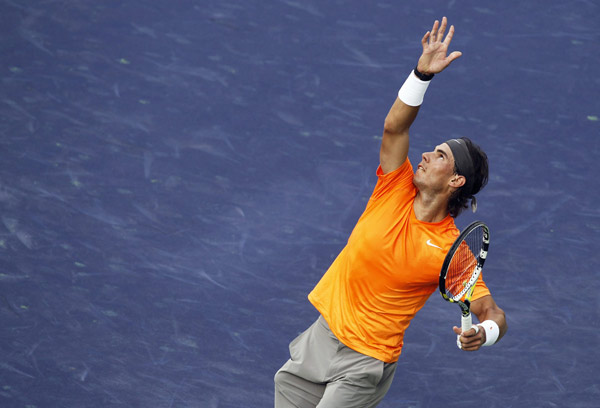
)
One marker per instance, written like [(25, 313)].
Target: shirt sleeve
[(481, 289), (400, 178)]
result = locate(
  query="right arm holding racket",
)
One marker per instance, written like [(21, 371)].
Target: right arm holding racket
[(485, 309), (459, 275)]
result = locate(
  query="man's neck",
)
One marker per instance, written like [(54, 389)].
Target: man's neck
[(430, 208)]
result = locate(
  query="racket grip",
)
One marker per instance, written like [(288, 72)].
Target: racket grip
[(466, 322)]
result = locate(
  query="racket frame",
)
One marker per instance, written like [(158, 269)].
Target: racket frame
[(467, 292)]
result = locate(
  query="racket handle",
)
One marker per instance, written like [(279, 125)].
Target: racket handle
[(466, 322)]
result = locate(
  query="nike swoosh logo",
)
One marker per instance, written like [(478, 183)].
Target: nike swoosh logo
[(433, 245)]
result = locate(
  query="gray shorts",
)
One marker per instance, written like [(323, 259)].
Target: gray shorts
[(324, 373)]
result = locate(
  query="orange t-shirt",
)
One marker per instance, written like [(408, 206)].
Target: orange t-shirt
[(387, 271)]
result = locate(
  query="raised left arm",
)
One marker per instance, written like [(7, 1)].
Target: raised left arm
[(484, 308), (433, 60)]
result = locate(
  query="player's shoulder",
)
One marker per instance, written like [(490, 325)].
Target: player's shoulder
[(398, 181), (448, 230), (404, 170)]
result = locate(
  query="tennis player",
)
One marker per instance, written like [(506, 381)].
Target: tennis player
[(391, 263)]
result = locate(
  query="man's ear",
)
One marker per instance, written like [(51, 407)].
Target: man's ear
[(457, 181)]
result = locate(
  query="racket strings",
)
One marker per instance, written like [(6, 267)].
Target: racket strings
[(464, 264)]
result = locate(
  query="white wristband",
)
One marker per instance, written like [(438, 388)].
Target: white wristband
[(413, 90), (492, 331)]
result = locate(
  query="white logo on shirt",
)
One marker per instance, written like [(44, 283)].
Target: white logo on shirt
[(433, 245)]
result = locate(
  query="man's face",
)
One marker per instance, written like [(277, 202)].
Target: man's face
[(436, 169)]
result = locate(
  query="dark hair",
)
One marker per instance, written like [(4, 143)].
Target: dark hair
[(459, 200)]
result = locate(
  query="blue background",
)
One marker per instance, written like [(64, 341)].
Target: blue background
[(176, 176)]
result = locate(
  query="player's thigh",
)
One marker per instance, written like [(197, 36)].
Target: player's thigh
[(313, 352), (292, 391), (301, 380), (363, 381)]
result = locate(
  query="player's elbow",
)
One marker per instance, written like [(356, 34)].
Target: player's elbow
[(495, 313), (485, 308), (389, 127), (392, 126)]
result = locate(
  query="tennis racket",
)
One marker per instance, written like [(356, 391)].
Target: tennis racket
[(462, 267)]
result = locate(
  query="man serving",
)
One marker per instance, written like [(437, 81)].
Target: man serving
[(391, 263)]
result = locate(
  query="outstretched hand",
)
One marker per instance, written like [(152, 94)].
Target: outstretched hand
[(435, 47)]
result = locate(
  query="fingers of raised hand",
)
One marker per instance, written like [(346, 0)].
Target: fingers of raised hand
[(436, 35), (434, 30), (448, 38), (425, 38), (440, 33), (437, 31)]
